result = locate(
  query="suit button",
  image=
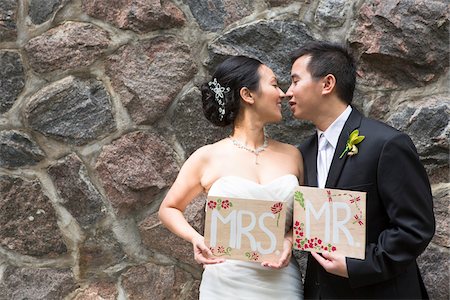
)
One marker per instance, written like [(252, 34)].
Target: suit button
[(317, 283)]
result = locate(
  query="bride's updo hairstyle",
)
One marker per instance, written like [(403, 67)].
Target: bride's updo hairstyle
[(220, 96)]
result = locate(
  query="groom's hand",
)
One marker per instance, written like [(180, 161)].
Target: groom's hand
[(333, 263)]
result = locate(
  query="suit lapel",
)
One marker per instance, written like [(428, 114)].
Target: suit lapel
[(309, 152), (353, 122)]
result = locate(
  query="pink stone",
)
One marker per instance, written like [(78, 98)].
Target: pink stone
[(151, 281), (137, 15), (68, 46), (157, 237), (149, 75), (134, 168)]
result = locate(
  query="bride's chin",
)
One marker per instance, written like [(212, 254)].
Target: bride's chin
[(276, 119)]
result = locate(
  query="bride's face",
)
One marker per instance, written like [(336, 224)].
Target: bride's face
[(269, 96)]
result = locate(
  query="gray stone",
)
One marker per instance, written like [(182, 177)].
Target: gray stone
[(155, 282), (18, 149), (36, 284), (135, 168), (441, 201), (149, 75), (191, 127), (434, 266), (214, 15), (42, 10), (68, 46), (99, 251), (284, 2), (332, 13), (302, 259), (379, 103), (8, 20), (270, 41), (27, 219), (12, 79), (72, 110), (290, 130), (157, 237), (401, 43), (79, 195), (137, 15), (426, 122)]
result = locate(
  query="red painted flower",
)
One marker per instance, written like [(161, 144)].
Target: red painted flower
[(255, 256), (333, 248), (225, 204), (297, 223), (212, 204), (277, 207)]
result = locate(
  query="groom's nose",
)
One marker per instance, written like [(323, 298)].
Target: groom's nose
[(289, 93)]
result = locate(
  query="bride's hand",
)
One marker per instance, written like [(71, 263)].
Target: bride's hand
[(202, 254), (285, 256)]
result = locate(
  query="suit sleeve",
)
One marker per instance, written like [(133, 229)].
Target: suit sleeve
[(404, 190)]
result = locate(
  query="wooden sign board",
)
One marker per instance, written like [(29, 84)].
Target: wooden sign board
[(330, 220), (242, 229)]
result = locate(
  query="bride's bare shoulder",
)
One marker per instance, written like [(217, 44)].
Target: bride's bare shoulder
[(205, 153), (288, 149)]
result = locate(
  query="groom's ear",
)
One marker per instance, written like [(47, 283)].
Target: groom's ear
[(247, 95), (328, 84)]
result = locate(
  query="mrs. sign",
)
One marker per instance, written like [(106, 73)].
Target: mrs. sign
[(250, 230)]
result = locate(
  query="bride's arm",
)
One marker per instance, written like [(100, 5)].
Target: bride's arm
[(185, 188)]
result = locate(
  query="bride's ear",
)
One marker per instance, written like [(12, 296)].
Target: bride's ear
[(246, 95)]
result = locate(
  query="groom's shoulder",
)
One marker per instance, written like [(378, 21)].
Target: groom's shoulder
[(307, 143), (378, 130)]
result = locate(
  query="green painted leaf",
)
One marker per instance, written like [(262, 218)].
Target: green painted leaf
[(298, 196)]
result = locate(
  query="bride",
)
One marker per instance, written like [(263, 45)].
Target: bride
[(244, 93)]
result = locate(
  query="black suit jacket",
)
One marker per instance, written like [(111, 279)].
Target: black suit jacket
[(399, 213)]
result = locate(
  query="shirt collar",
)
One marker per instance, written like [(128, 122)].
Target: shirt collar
[(334, 130)]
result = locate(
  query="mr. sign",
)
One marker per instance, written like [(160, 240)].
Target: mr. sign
[(330, 220)]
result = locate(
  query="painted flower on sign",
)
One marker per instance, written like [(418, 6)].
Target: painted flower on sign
[(212, 204), (276, 210)]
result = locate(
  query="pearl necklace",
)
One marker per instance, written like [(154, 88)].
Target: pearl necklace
[(256, 151)]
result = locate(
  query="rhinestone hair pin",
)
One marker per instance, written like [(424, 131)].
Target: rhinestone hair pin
[(219, 95)]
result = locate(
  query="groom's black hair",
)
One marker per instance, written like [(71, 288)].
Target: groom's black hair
[(330, 58)]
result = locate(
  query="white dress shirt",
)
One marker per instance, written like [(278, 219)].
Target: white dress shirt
[(328, 140)]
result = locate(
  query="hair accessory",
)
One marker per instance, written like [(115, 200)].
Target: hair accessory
[(219, 95)]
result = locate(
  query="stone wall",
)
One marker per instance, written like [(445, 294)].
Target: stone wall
[(99, 108)]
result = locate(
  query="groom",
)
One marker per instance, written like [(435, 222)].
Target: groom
[(385, 164)]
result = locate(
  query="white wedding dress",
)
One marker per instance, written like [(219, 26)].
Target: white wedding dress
[(235, 279)]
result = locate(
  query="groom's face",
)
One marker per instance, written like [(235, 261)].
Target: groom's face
[(304, 91)]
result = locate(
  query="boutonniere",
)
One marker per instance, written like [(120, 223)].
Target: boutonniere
[(353, 140)]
